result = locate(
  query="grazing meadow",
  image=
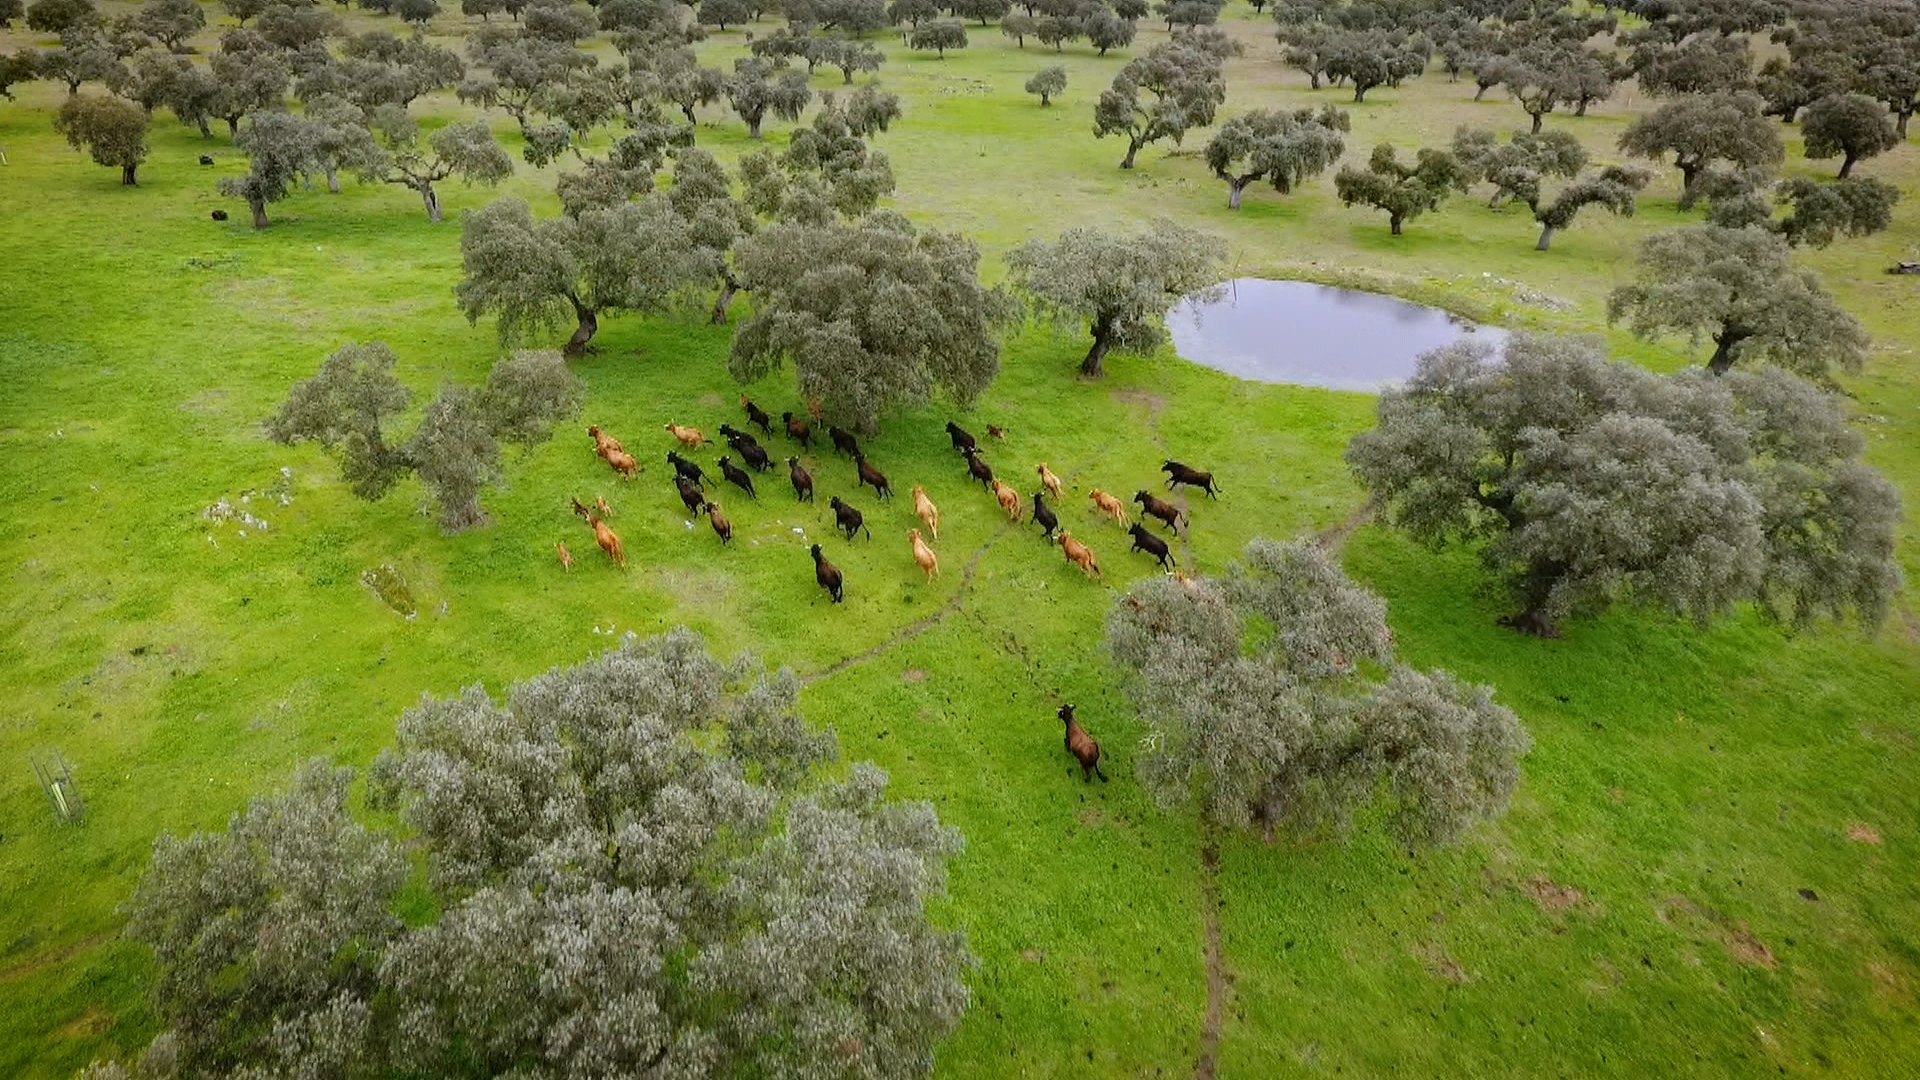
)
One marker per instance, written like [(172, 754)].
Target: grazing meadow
[(1710, 867)]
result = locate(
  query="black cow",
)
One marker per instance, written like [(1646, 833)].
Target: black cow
[(1153, 506), (757, 415), (738, 477), (692, 496), (798, 431), (873, 477), (1043, 515), (847, 518), (684, 468), (962, 441), (1183, 474), (843, 441), (1151, 544), (979, 469)]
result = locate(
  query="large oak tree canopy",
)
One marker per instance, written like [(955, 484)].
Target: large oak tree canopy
[(873, 313), (637, 866), (1588, 482)]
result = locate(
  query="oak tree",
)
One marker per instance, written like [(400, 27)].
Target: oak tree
[(1282, 148)]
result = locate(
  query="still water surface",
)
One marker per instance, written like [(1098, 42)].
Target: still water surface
[(1314, 335)]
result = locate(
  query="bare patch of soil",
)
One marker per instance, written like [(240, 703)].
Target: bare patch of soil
[(1553, 898), (1155, 403), (913, 675), (1734, 936), (1863, 834), (1208, 1065), (1439, 964)]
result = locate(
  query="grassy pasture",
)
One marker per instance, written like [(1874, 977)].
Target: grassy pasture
[(1710, 867)]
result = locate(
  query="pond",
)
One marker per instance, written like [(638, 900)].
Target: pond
[(1313, 335)]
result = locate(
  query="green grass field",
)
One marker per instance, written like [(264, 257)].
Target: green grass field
[(1710, 867)]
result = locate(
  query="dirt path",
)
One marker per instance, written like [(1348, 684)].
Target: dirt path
[(37, 964), (1215, 1014), (1333, 538), (954, 603)]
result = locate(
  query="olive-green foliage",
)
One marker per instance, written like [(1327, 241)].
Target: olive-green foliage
[(874, 314), (1589, 482), (455, 450), (1740, 289), (1700, 130), (618, 855), (1173, 89), (1049, 82), (1703, 64), (1851, 127), (170, 22), (114, 132), (59, 16), (281, 148), (1282, 148), (1615, 187), (1273, 697), (1515, 168), (938, 35), (465, 150), (1116, 286), (536, 275), (758, 87), (1404, 191)]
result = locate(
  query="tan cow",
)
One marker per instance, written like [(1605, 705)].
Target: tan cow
[(1111, 506), (922, 554), (1079, 554), (1009, 500), (609, 543), (688, 436), (1048, 480), (924, 509)]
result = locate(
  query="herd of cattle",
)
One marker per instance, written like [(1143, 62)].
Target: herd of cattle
[(691, 482)]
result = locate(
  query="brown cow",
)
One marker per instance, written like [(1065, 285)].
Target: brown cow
[(608, 542), (924, 509), (922, 554), (1082, 746), (566, 557), (721, 526), (622, 462), (1048, 480), (1111, 506), (603, 443), (1079, 554), (689, 436), (580, 508), (1009, 500)]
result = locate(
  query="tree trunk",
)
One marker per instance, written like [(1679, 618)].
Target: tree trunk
[(583, 333), (1393, 222), (233, 128), (259, 208), (753, 128), (687, 111), (126, 174), (1723, 345), (1788, 112), (1314, 79), (333, 180), (432, 201), (1102, 342), (1359, 94), (1688, 172), (205, 132), (1133, 147), (1537, 118), (728, 287), (1580, 109), (848, 73), (1846, 167), (1234, 189), (1900, 123), (1480, 94), (1043, 99), (1536, 590), (1546, 238)]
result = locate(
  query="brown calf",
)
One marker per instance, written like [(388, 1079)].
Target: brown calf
[(622, 462), (566, 557), (688, 436), (1082, 746)]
